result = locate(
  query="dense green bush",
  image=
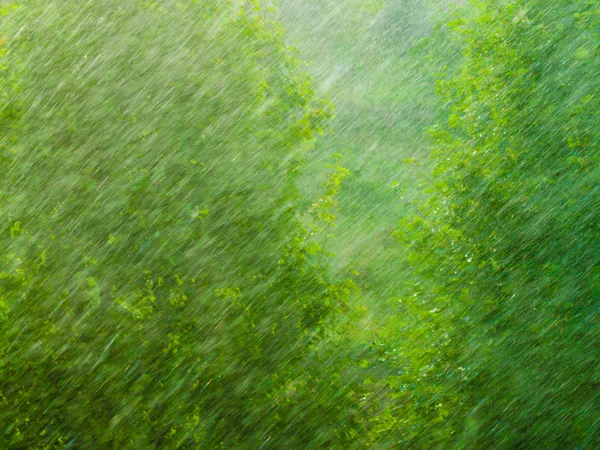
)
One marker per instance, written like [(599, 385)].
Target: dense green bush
[(506, 251), (158, 289)]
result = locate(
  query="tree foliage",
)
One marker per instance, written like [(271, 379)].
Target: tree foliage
[(506, 250), (164, 284), (158, 287)]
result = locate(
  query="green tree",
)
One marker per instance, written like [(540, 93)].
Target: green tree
[(157, 286), (506, 251)]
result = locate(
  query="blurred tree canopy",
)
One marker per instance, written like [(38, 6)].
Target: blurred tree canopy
[(158, 288), (165, 284), (507, 247)]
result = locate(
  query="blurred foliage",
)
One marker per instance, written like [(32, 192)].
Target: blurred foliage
[(506, 250), (159, 287), (175, 268)]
